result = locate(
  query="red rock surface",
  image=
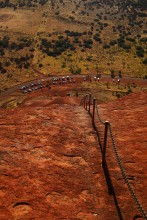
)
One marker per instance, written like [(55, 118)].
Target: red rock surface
[(50, 160), (129, 124)]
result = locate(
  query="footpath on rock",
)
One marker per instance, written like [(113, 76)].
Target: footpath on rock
[(50, 164)]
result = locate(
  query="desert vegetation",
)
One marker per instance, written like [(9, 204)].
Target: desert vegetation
[(90, 37)]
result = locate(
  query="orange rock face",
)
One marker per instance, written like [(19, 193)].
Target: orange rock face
[(129, 124), (50, 160)]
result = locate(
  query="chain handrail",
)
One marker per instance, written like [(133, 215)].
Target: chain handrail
[(139, 206), (142, 211)]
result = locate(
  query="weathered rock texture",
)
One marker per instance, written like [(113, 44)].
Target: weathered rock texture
[(129, 124), (50, 161)]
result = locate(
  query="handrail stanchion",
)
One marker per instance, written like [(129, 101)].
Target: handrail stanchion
[(94, 101), (104, 145), (86, 101), (89, 102), (104, 162)]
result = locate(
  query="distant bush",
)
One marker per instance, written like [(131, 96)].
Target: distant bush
[(73, 33), (113, 42), (120, 41), (75, 70), (118, 95), (139, 48), (130, 39), (56, 47), (145, 61), (89, 58), (139, 51), (40, 65), (96, 37), (57, 13), (88, 43), (106, 46), (126, 46), (2, 53), (89, 33), (2, 70), (71, 17), (7, 63), (4, 43), (129, 91), (144, 40)]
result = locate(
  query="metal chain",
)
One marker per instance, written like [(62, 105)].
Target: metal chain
[(98, 114), (82, 100), (140, 208), (142, 211)]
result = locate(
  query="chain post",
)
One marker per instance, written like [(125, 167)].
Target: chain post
[(105, 144), (86, 101), (89, 101), (103, 149), (140, 208), (94, 101)]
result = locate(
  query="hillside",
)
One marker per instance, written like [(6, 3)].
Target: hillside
[(71, 37), (51, 161), (52, 54)]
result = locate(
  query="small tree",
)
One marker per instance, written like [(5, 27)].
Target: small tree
[(145, 61), (40, 65)]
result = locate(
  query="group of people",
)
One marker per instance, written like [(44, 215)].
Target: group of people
[(113, 80), (62, 80), (118, 80)]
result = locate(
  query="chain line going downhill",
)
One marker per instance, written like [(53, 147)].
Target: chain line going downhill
[(86, 100)]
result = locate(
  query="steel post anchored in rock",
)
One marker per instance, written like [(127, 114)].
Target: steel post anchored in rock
[(105, 144), (86, 101), (93, 115), (89, 102)]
